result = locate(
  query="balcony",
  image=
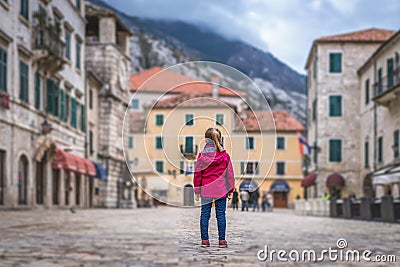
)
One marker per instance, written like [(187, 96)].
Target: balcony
[(49, 49), (189, 152), (387, 89)]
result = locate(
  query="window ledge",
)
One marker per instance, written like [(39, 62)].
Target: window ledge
[(24, 20), (5, 5)]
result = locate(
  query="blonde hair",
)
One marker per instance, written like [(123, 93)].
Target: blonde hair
[(215, 135)]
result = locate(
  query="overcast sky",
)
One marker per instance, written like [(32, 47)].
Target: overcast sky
[(286, 28)]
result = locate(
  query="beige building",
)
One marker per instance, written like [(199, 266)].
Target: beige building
[(333, 107), (42, 113), (108, 59), (380, 120), (167, 136)]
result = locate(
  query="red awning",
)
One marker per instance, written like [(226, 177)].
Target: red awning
[(335, 179), (309, 180), (68, 161)]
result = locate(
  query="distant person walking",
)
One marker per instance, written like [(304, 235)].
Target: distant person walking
[(235, 200), (214, 180), (255, 196), (264, 201), (244, 197)]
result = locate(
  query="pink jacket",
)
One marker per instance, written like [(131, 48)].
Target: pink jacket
[(213, 176)]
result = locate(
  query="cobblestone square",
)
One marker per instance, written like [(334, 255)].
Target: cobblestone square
[(168, 236)]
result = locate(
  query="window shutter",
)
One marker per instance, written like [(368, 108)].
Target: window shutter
[(181, 167), (49, 101), (66, 107), (73, 112), (242, 167), (37, 90), (3, 70), (83, 118), (256, 166), (62, 105)]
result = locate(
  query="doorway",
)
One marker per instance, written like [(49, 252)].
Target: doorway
[(23, 180), (77, 189), (56, 186), (2, 175), (67, 188), (40, 180), (368, 189), (188, 195)]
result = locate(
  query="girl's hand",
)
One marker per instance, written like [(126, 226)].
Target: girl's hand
[(197, 197), (229, 196)]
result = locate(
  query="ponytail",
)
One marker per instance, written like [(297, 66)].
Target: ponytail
[(215, 135)]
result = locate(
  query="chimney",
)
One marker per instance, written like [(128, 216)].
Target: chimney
[(215, 87)]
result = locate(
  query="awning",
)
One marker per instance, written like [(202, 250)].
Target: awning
[(44, 143), (68, 161), (279, 186), (386, 175), (100, 171), (382, 171), (248, 185), (309, 180), (335, 179)]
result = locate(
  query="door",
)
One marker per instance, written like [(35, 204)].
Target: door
[(22, 181), (77, 189), (280, 199), (91, 187), (390, 73), (2, 175), (67, 187), (40, 180), (189, 144), (188, 195), (56, 186)]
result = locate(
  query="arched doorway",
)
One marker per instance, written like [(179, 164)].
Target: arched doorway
[(280, 191), (188, 195), (368, 189), (40, 180), (23, 165)]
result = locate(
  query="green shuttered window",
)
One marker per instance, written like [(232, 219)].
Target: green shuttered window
[(24, 81), (3, 70), (335, 150), (335, 106), (335, 62)]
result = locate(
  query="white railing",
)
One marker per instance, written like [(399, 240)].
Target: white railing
[(313, 207)]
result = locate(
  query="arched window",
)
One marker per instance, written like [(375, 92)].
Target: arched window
[(23, 180)]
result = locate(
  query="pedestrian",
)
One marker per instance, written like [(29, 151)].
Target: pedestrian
[(264, 201), (214, 181), (235, 200), (244, 197), (255, 196)]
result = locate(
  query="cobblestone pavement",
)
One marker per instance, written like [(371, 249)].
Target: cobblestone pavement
[(167, 236)]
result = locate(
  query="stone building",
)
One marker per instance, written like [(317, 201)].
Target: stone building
[(42, 113), (166, 138), (380, 120), (107, 57), (333, 108)]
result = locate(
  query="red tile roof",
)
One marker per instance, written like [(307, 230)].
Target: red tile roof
[(253, 121), (191, 100), (368, 35), (173, 82)]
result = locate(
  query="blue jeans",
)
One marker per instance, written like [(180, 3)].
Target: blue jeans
[(220, 208)]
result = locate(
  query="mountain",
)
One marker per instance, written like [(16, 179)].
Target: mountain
[(166, 43)]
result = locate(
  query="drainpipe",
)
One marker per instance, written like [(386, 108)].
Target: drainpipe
[(375, 121)]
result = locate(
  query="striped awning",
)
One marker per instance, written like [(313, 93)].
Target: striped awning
[(71, 162)]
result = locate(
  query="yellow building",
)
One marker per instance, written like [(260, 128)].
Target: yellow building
[(166, 137)]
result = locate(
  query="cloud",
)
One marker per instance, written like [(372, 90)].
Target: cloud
[(286, 28)]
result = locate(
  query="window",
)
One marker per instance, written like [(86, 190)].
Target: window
[(63, 114), (130, 141), (396, 144), (219, 119), (83, 119), (335, 106), (135, 104), (68, 44), (335, 150), (24, 81), (367, 92), (52, 97), (380, 149), (189, 144), (73, 113), (38, 91), (280, 143), (335, 62), (78, 55), (379, 80), (78, 4), (91, 142), (90, 98), (250, 167), (366, 154), (182, 167), (280, 168), (159, 119), (24, 11), (189, 118), (159, 142), (160, 166), (314, 110), (389, 67), (249, 142), (66, 107), (3, 70)]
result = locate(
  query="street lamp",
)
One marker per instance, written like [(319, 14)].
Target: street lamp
[(46, 127)]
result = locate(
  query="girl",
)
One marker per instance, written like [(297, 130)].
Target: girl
[(214, 181)]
